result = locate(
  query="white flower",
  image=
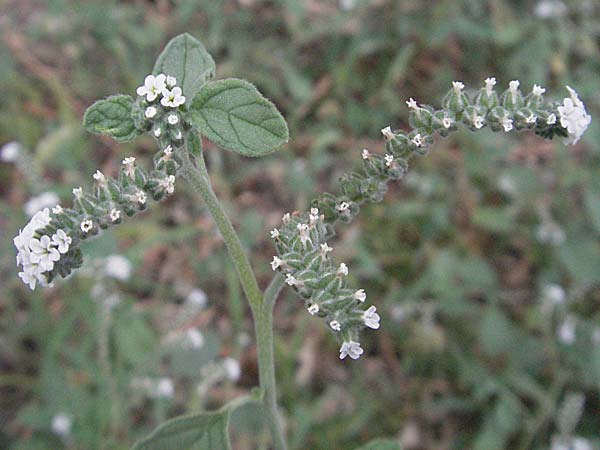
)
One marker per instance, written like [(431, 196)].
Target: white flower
[(387, 133), (157, 132), (571, 443), (513, 86), (314, 215), (551, 120), (62, 241), (57, 209), (118, 267), (573, 117), (546, 9), (178, 135), (566, 332), (141, 197), (417, 140), (129, 166), (365, 154), (389, 160), (150, 112), (167, 152), (99, 177), (335, 325), (194, 338), (351, 349), (10, 152), (360, 295), (531, 119), (412, 104), (86, 225), (286, 218), (168, 184), (303, 233), (172, 98), (171, 81), (554, 294), (371, 318), (78, 192), (290, 280), (61, 424), (313, 309), (344, 206), (342, 270), (173, 119), (489, 85), (197, 297), (274, 233), (43, 252), (538, 90), (164, 388), (551, 233), (277, 262), (232, 368), (39, 202), (458, 87), (114, 215), (447, 122), (153, 85), (324, 250), (477, 121), (507, 185), (507, 123)]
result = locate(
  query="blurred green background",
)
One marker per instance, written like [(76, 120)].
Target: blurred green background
[(484, 262)]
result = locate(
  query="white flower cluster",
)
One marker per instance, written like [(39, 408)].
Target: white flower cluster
[(573, 117), (38, 253), (159, 85)]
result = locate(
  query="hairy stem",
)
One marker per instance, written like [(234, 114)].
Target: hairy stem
[(262, 309)]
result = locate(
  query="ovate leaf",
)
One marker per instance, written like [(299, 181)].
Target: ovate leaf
[(112, 117), (186, 59), (233, 114), (201, 431)]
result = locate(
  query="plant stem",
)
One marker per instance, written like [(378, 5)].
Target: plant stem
[(262, 311)]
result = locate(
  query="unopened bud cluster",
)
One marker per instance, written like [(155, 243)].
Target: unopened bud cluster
[(48, 245), (301, 249), (305, 263)]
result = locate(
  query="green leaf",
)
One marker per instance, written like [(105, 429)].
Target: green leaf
[(186, 59), (381, 444), (206, 430), (112, 117), (233, 114)]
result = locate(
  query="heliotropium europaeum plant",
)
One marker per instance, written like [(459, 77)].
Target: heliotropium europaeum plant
[(177, 104)]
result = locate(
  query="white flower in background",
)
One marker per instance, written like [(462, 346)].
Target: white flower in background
[(291, 280), (313, 309), (78, 192), (399, 313), (550, 233), (172, 98), (168, 184), (115, 214), (232, 368), (360, 295), (286, 218), (194, 338), (61, 424), (553, 294), (489, 85), (342, 270), (417, 140), (86, 225), (573, 117), (506, 122), (547, 9), (57, 209), (118, 267), (507, 185), (129, 166), (573, 443), (566, 332), (173, 119), (277, 262), (171, 81), (365, 154), (389, 160), (387, 133), (335, 325), (39, 202), (458, 87), (150, 112), (62, 241), (412, 104), (10, 152), (351, 349), (347, 5), (112, 300), (197, 297), (538, 90), (371, 318), (164, 388), (153, 85), (551, 120)]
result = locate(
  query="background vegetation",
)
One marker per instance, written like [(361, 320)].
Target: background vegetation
[(484, 262)]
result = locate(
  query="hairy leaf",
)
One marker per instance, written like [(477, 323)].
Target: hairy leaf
[(185, 58), (233, 114), (112, 117)]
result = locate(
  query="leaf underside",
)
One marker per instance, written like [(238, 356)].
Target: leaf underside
[(112, 117)]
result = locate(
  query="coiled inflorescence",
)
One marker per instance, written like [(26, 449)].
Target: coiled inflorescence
[(49, 244), (301, 244)]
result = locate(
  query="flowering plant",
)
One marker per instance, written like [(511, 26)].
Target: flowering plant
[(178, 103)]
